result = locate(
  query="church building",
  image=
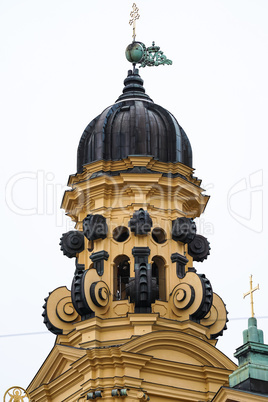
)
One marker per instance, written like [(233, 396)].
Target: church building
[(140, 322)]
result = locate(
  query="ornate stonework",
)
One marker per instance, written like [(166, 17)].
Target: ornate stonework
[(140, 320)]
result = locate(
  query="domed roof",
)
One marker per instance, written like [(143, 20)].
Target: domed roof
[(134, 125)]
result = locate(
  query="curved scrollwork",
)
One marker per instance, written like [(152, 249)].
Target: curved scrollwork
[(206, 304), (59, 312), (90, 295), (192, 297), (72, 243), (65, 310), (183, 296), (216, 319), (199, 248), (100, 293), (78, 295)]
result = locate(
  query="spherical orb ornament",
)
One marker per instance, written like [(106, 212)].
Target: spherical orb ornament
[(135, 52)]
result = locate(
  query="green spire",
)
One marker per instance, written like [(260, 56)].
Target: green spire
[(252, 372), (252, 334)]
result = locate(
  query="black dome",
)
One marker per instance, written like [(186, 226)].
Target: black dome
[(134, 125)]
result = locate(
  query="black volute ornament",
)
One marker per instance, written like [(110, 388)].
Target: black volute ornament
[(141, 222), (95, 227), (72, 243), (183, 230), (199, 248)]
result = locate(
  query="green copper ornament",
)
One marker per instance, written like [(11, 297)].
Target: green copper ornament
[(151, 56), (135, 52)]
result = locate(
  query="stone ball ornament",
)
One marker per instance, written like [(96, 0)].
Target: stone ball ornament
[(72, 243), (135, 52), (199, 248), (183, 230)]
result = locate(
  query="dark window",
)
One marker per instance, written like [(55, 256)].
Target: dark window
[(159, 273), (159, 235), (121, 277), (120, 234)]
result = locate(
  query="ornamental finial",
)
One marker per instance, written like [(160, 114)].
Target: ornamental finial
[(250, 292), (134, 16), (137, 52)]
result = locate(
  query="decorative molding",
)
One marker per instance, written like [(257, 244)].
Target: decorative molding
[(98, 261), (141, 223), (181, 261)]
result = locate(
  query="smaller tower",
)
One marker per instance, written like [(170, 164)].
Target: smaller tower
[(249, 382), (252, 373)]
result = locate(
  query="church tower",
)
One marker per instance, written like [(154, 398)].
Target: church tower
[(139, 321)]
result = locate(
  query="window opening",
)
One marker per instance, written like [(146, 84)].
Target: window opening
[(121, 277), (159, 235), (120, 234), (159, 275)]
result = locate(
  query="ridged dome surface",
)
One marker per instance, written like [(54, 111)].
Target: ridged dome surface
[(134, 125)]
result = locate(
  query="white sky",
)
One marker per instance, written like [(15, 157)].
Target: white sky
[(62, 62)]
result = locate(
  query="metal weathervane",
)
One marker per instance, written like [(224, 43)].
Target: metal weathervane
[(137, 52)]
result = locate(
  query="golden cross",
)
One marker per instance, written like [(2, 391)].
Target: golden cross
[(134, 16), (251, 295)]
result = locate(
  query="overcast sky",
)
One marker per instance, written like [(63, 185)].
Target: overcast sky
[(62, 62)]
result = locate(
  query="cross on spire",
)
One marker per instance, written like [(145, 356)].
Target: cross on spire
[(250, 292), (134, 16)]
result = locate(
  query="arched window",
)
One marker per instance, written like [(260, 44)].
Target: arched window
[(121, 277), (159, 273)]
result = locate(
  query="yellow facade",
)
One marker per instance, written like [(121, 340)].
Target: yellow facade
[(162, 355)]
